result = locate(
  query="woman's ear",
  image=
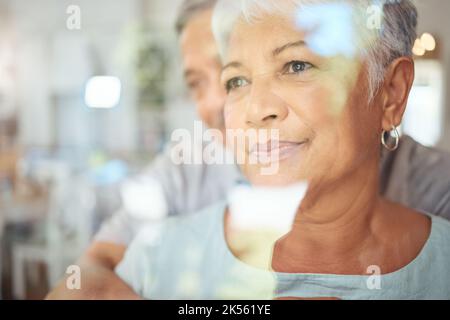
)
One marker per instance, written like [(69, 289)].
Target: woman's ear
[(398, 81)]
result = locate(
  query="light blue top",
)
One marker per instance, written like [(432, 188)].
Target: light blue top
[(188, 258)]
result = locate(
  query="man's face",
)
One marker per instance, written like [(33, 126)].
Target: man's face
[(202, 68)]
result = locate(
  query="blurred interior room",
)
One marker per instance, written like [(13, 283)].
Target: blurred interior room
[(84, 106)]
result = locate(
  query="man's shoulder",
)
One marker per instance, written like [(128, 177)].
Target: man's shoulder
[(418, 165), (430, 168), (423, 157), (418, 177)]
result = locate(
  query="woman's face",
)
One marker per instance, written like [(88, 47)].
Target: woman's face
[(318, 105)]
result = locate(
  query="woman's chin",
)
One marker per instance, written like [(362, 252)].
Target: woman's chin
[(279, 179)]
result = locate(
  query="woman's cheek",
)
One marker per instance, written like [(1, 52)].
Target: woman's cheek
[(227, 116), (309, 101), (232, 124)]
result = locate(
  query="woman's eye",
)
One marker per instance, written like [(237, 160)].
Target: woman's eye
[(295, 67), (235, 83)]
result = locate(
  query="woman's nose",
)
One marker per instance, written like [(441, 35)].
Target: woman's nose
[(265, 107)]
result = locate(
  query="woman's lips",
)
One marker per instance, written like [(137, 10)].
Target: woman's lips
[(273, 151)]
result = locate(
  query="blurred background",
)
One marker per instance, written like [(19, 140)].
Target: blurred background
[(65, 145)]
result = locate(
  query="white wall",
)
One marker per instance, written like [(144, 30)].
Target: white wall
[(47, 47), (434, 17)]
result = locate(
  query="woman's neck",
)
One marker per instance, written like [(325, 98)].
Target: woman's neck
[(335, 224)]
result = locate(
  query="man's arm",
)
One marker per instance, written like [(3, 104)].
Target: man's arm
[(98, 279), (161, 183)]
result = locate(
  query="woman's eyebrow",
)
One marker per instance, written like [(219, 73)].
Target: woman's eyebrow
[(289, 45), (233, 64), (277, 51)]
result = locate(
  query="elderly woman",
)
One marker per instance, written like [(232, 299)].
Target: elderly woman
[(332, 78)]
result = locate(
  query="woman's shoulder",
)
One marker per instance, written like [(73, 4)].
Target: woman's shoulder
[(437, 245), (435, 256), (440, 234)]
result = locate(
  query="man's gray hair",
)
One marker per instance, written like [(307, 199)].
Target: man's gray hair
[(189, 9), (378, 46)]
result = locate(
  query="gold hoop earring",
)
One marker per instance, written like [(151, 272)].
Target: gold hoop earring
[(396, 139)]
